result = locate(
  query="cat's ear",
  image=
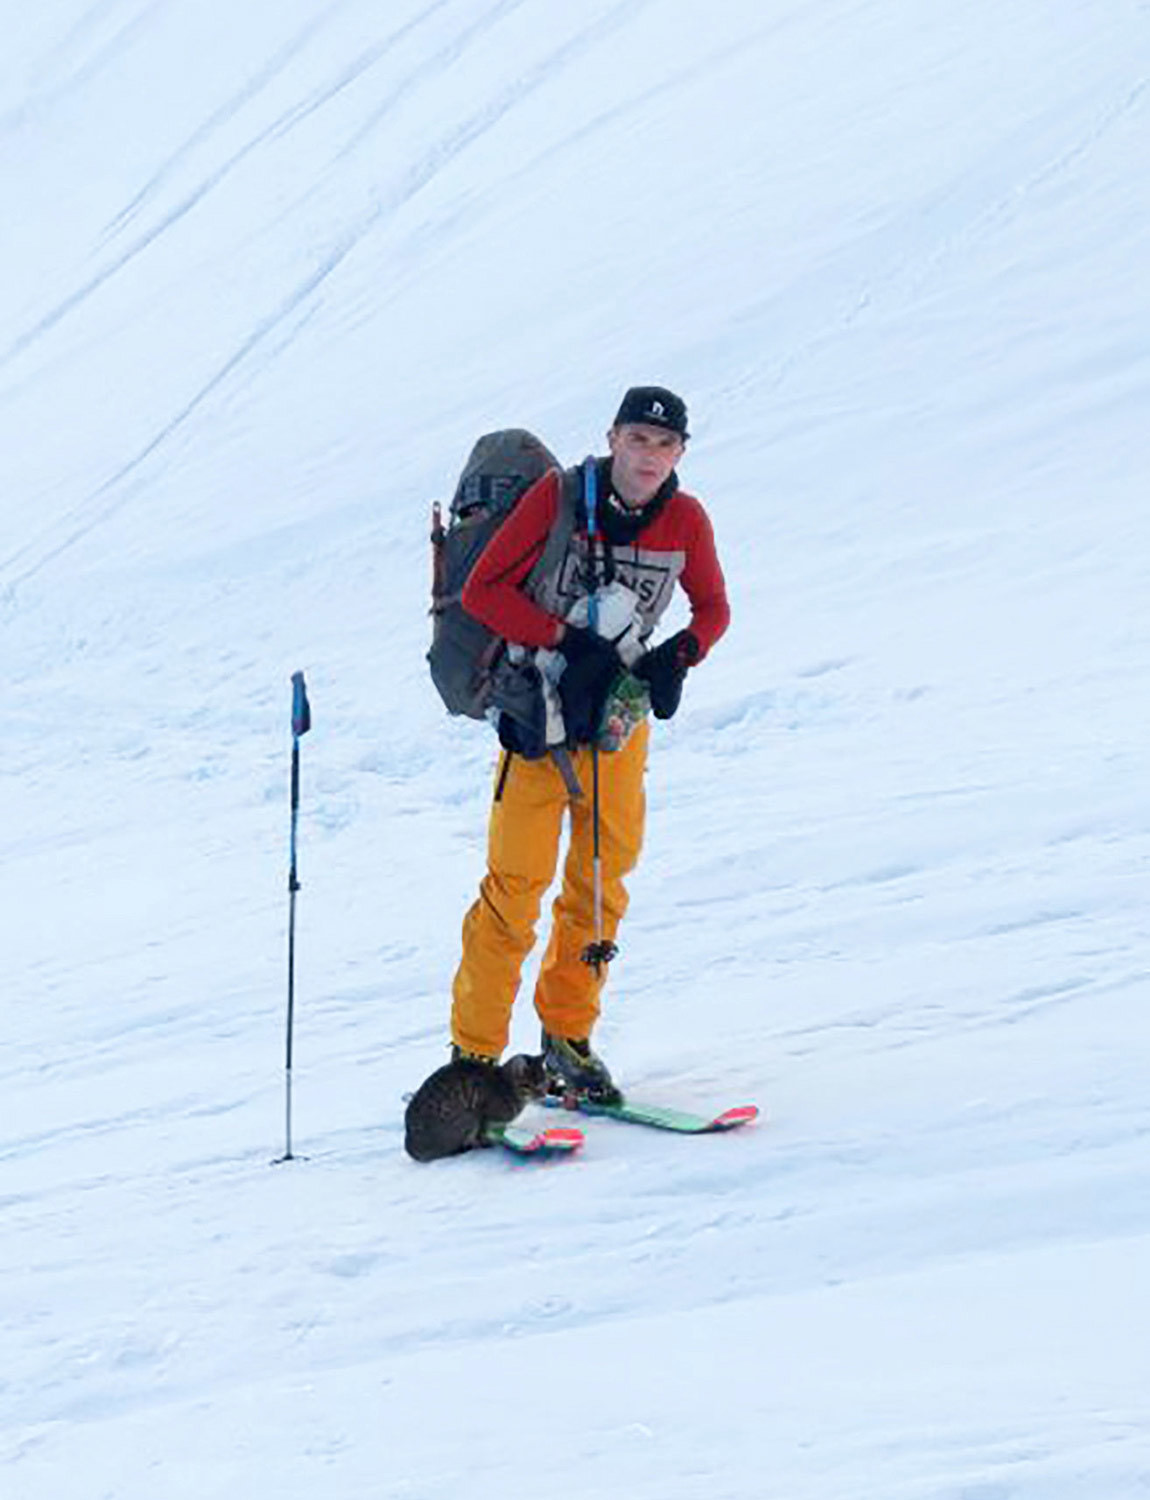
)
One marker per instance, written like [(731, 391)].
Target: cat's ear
[(529, 1074)]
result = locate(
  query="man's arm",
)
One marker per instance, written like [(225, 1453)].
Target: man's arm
[(494, 591), (703, 582)]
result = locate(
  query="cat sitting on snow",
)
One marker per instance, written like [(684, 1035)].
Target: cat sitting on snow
[(451, 1109)]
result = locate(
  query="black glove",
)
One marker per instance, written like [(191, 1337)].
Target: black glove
[(664, 669), (592, 667), (521, 739)]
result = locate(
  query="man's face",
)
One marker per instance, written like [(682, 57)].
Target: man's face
[(641, 459)]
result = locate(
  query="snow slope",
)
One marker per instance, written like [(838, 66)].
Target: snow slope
[(265, 271)]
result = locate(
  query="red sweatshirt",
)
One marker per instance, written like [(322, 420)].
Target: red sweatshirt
[(677, 547)]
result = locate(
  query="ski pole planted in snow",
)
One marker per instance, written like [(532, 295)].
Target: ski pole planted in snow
[(300, 724)]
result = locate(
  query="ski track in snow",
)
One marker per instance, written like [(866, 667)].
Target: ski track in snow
[(108, 499)]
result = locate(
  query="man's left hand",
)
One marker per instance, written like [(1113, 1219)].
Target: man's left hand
[(664, 669)]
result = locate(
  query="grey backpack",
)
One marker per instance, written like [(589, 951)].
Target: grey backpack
[(470, 666)]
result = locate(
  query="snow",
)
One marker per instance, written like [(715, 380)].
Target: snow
[(266, 272)]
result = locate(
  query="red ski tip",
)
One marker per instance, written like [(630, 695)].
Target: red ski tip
[(742, 1114)]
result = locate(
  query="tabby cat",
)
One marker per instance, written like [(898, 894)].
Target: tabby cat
[(451, 1109)]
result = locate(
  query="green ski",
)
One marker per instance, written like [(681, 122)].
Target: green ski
[(660, 1116)]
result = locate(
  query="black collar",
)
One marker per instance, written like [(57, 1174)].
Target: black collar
[(622, 523)]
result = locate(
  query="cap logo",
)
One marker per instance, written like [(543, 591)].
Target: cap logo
[(657, 409)]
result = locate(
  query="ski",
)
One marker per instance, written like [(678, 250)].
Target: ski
[(659, 1116), (552, 1141)]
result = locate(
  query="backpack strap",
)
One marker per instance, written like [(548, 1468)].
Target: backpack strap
[(563, 764), (562, 528), (503, 771), (566, 768)]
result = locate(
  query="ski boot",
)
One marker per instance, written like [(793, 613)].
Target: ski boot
[(460, 1054), (572, 1068)]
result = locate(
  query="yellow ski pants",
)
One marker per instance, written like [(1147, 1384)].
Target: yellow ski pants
[(522, 853)]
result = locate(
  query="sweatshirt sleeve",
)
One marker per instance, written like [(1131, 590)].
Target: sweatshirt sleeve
[(494, 591), (705, 587)]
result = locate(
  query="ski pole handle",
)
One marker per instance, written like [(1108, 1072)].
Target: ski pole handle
[(300, 724), (591, 507), (300, 707)]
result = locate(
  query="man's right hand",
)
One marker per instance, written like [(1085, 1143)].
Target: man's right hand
[(592, 667)]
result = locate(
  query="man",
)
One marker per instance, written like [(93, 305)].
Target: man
[(653, 536)]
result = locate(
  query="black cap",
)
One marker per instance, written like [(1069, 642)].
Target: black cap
[(656, 406)]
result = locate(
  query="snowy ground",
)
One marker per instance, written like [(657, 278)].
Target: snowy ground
[(265, 271)]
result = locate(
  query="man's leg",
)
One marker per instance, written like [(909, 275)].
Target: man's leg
[(567, 994), (499, 930)]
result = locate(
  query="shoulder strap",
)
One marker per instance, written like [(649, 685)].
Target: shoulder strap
[(562, 528), (600, 548)]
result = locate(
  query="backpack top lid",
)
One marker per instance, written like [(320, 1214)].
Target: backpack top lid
[(501, 466)]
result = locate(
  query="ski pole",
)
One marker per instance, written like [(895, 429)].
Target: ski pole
[(601, 950), (300, 724)]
